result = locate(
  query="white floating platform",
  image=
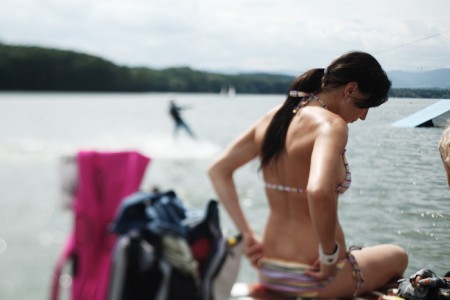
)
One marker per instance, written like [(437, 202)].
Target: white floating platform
[(435, 115)]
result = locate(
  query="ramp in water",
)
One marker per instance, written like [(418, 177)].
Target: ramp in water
[(435, 115)]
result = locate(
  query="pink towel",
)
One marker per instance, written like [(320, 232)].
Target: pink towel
[(104, 180)]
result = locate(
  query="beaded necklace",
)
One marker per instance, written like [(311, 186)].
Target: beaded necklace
[(306, 99)]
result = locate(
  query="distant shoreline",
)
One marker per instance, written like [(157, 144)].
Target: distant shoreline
[(394, 93), (38, 69)]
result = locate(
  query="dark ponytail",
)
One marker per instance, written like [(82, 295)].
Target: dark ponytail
[(275, 136), (358, 67)]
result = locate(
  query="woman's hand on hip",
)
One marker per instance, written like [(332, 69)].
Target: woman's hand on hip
[(253, 248), (321, 272)]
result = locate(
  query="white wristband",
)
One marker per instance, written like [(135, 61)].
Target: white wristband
[(329, 259)]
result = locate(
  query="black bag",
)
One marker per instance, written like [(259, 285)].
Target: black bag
[(162, 254)]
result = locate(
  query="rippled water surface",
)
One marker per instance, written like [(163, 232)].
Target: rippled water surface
[(399, 191)]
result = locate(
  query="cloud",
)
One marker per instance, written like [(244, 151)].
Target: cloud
[(246, 35)]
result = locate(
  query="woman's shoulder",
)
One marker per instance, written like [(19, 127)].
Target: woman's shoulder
[(271, 112), (334, 130), (324, 126), (322, 121), (265, 120), (263, 123), (334, 123)]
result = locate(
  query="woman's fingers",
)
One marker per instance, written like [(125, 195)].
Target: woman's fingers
[(324, 272), (253, 250)]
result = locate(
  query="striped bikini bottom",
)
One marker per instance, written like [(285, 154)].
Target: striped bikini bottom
[(288, 278)]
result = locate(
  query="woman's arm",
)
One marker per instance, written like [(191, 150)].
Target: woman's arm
[(321, 189), (241, 151)]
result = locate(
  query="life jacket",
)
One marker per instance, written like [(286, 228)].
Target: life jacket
[(104, 179)]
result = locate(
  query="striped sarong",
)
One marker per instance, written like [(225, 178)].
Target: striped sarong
[(289, 278)]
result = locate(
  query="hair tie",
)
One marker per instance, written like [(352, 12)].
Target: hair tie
[(298, 94)]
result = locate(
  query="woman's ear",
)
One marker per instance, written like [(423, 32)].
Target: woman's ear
[(350, 88)]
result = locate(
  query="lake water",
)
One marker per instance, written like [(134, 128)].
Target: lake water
[(399, 191)]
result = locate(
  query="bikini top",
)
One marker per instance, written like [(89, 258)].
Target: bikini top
[(341, 188)]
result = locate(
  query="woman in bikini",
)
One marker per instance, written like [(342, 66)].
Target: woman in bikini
[(301, 147)]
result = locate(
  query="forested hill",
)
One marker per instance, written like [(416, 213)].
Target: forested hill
[(28, 68), (42, 69)]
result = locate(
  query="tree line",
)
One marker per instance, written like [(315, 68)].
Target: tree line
[(42, 69), (420, 93), (30, 68)]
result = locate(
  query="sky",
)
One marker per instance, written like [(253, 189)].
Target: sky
[(230, 36)]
